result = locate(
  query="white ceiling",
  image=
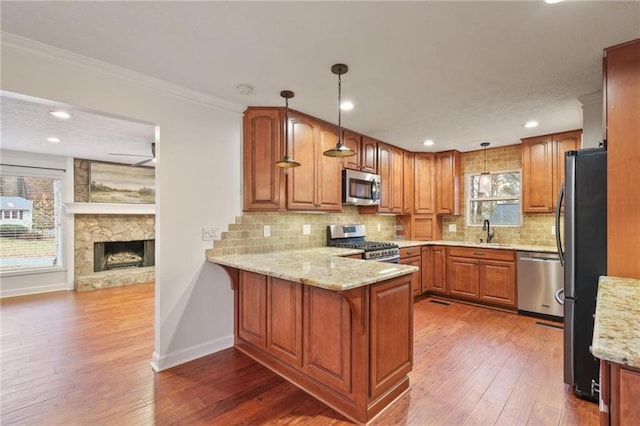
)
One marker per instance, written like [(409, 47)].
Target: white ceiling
[(456, 72)]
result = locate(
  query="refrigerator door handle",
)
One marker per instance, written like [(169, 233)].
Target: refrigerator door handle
[(558, 239), (557, 296)]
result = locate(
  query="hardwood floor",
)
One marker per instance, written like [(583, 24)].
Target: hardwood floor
[(83, 358)]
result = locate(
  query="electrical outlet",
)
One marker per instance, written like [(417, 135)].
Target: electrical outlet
[(453, 227), (210, 233), (553, 230), (306, 229), (379, 227), (267, 231)]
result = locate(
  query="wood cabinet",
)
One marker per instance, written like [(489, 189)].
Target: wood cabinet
[(263, 144), (390, 168), (622, 108), (543, 169), (484, 275), (366, 158), (425, 227), (316, 184), (408, 184), (448, 182), (425, 183), (438, 283), (413, 256), (351, 349), (619, 390)]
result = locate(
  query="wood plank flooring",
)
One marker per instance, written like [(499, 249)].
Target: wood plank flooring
[(83, 358)]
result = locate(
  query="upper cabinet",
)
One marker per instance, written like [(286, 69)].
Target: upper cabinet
[(408, 178), (622, 95), (316, 184), (263, 184), (390, 168), (425, 174), (366, 158), (543, 169), (448, 182)]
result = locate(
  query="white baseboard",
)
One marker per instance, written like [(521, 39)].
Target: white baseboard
[(160, 363), (32, 290)]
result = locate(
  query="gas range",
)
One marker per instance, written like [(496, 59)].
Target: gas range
[(353, 236)]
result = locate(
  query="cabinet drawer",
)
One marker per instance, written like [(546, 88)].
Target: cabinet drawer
[(410, 252), (481, 253)]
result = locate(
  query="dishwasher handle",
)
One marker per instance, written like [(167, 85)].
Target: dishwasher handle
[(557, 296), (540, 259)]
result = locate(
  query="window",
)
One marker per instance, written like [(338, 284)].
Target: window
[(494, 196), (30, 224)]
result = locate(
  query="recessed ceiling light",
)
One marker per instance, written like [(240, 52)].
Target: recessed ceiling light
[(428, 142), (552, 1), (63, 115), (530, 124), (346, 105), (54, 139)]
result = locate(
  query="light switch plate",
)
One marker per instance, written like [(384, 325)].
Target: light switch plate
[(267, 231), (553, 230), (306, 229), (211, 233), (453, 227)]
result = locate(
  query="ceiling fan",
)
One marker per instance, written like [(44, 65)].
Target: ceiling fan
[(143, 162)]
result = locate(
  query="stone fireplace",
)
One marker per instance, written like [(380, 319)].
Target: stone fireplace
[(122, 238)]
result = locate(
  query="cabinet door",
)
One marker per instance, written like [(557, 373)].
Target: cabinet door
[(416, 278), (301, 181), (397, 192), (497, 282), (462, 277), (439, 270), (353, 141), (391, 330), (263, 183), (327, 338), (369, 155), (408, 182), (329, 172), (385, 159), (424, 227), (537, 175), (284, 320), (424, 165), (252, 302), (628, 407), (562, 143), (448, 182)]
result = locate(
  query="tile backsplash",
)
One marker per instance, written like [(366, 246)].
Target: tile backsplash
[(247, 234)]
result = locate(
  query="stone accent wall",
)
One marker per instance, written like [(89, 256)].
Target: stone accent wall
[(247, 234), (89, 229), (81, 180), (535, 229)]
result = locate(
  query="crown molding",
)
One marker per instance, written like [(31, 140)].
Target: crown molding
[(591, 98), (155, 84)]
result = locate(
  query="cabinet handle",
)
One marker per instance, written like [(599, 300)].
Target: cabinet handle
[(478, 254)]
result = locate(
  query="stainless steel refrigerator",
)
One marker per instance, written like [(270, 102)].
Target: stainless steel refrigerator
[(585, 258)]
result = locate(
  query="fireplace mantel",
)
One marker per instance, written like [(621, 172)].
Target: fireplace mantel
[(110, 208)]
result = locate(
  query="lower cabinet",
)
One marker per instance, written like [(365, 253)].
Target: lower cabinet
[(619, 390), (413, 256), (481, 275), (351, 349)]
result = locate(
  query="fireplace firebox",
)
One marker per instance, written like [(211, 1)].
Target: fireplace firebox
[(109, 255)]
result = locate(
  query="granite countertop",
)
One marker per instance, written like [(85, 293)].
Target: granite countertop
[(500, 246), (319, 267), (616, 332)]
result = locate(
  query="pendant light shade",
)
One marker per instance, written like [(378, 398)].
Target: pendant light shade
[(340, 150), (287, 162), (484, 146)]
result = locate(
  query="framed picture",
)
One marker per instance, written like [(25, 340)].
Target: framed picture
[(120, 183)]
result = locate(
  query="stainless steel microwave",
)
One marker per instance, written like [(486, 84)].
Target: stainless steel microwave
[(360, 189)]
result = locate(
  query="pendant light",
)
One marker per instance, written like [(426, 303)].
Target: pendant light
[(287, 162), (484, 146), (484, 185), (340, 150)]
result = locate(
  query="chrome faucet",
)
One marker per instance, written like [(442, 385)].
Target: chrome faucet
[(486, 227)]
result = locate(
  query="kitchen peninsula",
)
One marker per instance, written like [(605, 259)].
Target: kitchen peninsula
[(339, 328)]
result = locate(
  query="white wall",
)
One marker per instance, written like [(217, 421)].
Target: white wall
[(591, 119), (198, 182)]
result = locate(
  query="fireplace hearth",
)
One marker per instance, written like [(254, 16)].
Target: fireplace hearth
[(111, 255)]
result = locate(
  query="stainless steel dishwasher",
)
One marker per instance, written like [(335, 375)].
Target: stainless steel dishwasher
[(540, 284)]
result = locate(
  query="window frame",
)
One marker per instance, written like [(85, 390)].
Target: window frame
[(468, 200)]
